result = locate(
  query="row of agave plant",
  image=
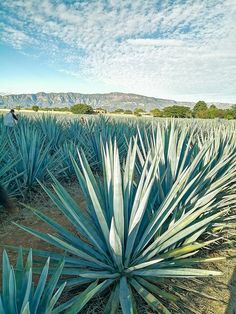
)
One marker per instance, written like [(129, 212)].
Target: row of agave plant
[(156, 198), (37, 146), (45, 143)]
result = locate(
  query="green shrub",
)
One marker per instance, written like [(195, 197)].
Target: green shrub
[(35, 108), (81, 109), (128, 112)]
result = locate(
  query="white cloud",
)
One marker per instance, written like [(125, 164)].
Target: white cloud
[(147, 47), (16, 38), (155, 42)]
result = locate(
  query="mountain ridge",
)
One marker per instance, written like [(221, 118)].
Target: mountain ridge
[(108, 101)]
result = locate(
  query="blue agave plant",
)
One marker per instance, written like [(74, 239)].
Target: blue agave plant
[(19, 295), (126, 243)]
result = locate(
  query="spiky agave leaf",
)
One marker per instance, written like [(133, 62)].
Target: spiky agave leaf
[(123, 241), (19, 294), (52, 129), (34, 156), (8, 176), (214, 160)]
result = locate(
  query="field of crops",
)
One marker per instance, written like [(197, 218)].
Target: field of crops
[(159, 203)]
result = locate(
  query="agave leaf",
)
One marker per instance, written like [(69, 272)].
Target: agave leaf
[(129, 173), (118, 204), (116, 245), (12, 292), (2, 307), (83, 298), (182, 234), (125, 296), (164, 211), (107, 181), (179, 225), (40, 288), (83, 186), (19, 268), (188, 230), (29, 261), (74, 305), (71, 261), (70, 248), (6, 269), (152, 301), (98, 274), (178, 252), (141, 200), (92, 188), (75, 282), (48, 293), (177, 272), (113, 302), (63, 245), (27, 291), (66, 235), (55, 298), (74, 214), (26, 309), (157, 291)]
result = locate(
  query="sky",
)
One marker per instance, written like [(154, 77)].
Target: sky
[(174, 49)]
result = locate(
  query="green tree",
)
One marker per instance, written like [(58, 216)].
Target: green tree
[(128, 112), (177, 112), (200, 109), (233, 112), (35, 108), (228, 114), (221, 113), (156, 112), (138, 111), (81, 109), (212, 112), (118, 110)]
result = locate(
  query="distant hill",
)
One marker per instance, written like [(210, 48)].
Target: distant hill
[(109, 101)]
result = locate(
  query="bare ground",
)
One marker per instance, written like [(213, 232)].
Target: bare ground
[(209, 296)]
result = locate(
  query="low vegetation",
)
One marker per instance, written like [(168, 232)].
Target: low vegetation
[(81, 109), (200, 111)]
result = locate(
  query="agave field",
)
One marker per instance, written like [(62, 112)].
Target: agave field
[(159, 199)]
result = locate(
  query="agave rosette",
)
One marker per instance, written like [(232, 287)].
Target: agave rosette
[(123, 241), (34, 156)]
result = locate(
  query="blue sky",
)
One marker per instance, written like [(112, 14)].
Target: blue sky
[(176, 49)]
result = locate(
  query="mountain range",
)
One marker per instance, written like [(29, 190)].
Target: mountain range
[(108, 101)]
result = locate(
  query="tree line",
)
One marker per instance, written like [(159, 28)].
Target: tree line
[(200, 110)]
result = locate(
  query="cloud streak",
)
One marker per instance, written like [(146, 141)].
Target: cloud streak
[(148, 47), (155, 42)]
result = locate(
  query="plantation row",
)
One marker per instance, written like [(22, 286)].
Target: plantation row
[(39, 145), (156, 194)]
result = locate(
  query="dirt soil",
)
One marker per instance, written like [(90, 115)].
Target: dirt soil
[(208, 296)]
